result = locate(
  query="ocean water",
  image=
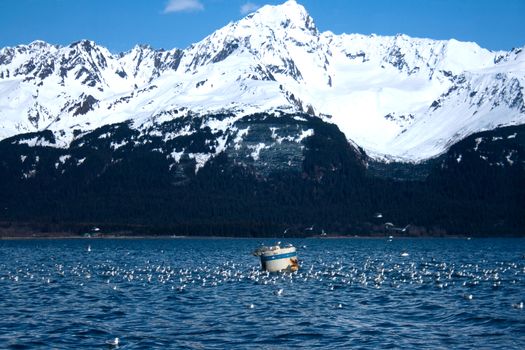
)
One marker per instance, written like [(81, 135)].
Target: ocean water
[(210, 294)]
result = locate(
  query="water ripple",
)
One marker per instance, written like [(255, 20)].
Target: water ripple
[(211, 294)]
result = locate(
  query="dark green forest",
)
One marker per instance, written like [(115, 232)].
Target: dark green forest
[(329, 187)]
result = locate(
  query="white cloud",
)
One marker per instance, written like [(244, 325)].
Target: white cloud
[(249, 7), (183, 5)]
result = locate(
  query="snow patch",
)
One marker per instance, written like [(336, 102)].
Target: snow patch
[(257, 150), (155, 133), (239, 137), (274, 132), (221, 145), (61, 160), (200, 160), (176, 155), (29, 174), (186, 131), (478, 142), (117, 145), (36, 141), (305, 134)]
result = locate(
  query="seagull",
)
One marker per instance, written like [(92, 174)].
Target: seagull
[(88, 248), (310, 228), (518, 306), (279, 292), (468, 296), (113, 342), (390, 226)]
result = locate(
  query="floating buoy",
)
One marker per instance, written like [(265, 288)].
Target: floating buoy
[(275, 258)]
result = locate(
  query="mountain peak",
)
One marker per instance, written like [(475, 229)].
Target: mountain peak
[(84, 44), (143, 47), (287, 15), (292, 6), (39, 44)]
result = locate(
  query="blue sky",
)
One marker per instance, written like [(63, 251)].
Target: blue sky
[(120, 24)]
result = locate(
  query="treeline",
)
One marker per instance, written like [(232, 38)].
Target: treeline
[(333, 192)]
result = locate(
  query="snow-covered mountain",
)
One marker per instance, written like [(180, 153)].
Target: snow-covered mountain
[(397, 97)]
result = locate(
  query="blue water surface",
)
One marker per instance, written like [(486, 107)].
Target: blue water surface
[(210, 294)]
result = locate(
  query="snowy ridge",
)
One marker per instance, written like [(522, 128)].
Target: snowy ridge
[(397, 97)]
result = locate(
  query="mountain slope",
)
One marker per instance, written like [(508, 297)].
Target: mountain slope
[(266, 175), (397, 97)]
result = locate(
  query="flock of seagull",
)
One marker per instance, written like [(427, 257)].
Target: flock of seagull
[(391, 272)]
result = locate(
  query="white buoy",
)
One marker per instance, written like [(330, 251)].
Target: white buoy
[(275, 258)]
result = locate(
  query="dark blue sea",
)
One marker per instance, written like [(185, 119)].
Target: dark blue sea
[(210, 294)]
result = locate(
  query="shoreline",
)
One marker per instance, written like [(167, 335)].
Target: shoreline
[(177, 237), (91, 230)]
